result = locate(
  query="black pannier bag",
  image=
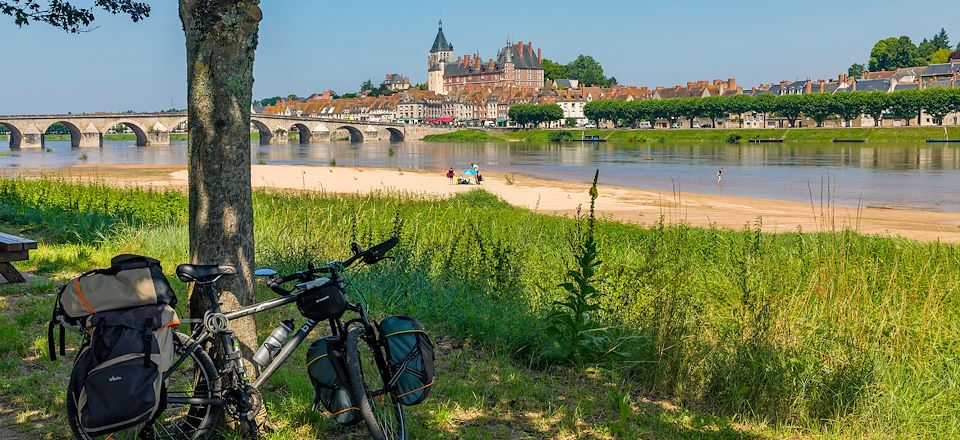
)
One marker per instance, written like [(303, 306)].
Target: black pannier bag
[(130, 281), (322, 299), (117, 379), (410, 354), (328, 372)]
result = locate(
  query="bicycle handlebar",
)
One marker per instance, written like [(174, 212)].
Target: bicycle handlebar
[(373, 255)]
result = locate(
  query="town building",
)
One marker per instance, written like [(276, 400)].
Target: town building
[(516, 65), (396, 82)]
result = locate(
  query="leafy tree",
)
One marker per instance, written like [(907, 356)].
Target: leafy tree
[(940, 56), (62, 14), (367, 85), (925, 49), (936, 102), (4, 129), (553, 70), (789, 106), (893, 53), (818, 106), (715, 107), (875, 104), (905, 104), (856, 70), (738, 105), (848, 106)]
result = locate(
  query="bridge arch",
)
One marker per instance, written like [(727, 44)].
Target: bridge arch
[(396, 135), (140, 133), (14, 133), (355, 134), (75, 135), (305, 133), (265, 134)]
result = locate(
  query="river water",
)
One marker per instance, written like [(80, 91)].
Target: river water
[(922, 176)]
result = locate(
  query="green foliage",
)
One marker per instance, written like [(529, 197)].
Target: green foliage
[(893, 53), (561, 136), (829, 333), (570, 122), (584, 69), (468, 135), (574, 332), (856, 70), (66, 16), (536, 114), (734, 138), (57, 128)]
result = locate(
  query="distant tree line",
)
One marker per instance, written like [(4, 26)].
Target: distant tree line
[(895, 52), (584, 69), (904, 104), (526, 114)]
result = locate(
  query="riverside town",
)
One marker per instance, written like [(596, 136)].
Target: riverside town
[(309, 220)]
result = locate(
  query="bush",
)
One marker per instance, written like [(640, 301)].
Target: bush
[(733, 138), (560, 136)]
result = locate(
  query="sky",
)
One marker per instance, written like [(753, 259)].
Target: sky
[(308, 46)]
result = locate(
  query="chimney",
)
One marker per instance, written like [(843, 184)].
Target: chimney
[(784, 83), (822, 86), (731, 84), (676, 87), (539, 55), (520, 48), (530, 47), (808, 87), (466, 59), (689, 84), (842, 78), (717, 82)]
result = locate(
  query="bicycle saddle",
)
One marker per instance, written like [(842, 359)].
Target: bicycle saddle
[(203, 272)]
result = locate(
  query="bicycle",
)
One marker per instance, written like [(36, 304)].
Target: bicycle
[(196, 394)]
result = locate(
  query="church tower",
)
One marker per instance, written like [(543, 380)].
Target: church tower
[(440, 54)]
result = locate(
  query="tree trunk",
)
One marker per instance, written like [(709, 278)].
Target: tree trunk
[(221, 37)]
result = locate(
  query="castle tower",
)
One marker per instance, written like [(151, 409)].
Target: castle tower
[(440, 54)]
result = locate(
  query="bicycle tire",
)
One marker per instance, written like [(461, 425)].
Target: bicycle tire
[(384, 422), (166, 427)]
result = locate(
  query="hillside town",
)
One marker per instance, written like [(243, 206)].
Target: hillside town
[(467, 90)]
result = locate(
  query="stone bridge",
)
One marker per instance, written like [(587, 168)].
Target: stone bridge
[(87, 130)]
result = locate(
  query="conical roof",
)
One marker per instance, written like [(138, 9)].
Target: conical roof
[(440, 43)]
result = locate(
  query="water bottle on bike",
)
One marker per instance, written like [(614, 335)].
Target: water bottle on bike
[(272, 345)]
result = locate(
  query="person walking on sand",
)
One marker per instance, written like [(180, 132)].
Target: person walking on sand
[(719, 175)]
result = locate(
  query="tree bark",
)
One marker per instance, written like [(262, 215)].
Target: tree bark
[(221, 37)]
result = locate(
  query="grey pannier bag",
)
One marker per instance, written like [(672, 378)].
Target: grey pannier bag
[(130, 281), (328, 372), (117, 380)]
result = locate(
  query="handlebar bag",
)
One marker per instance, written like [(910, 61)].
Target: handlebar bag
[(410, 355), (328, 372), (325, 301), (117, 379)]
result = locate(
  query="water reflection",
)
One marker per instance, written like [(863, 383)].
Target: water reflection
[(918, 176)]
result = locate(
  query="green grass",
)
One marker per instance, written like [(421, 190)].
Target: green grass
[(739, 333), (878, 135), (469, 135)]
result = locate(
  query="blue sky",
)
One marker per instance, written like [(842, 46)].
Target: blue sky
[(308, 46)]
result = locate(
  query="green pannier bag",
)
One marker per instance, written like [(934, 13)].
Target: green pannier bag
[(328, 372), (410, 355)]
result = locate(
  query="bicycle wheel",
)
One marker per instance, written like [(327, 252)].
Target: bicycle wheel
[(381, 412), (195, 377)]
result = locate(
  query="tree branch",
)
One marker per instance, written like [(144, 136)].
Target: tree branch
[(64, 15)]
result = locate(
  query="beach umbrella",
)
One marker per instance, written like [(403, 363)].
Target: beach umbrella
[(470, 171)]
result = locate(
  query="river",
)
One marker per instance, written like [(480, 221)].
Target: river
[(894, 176)]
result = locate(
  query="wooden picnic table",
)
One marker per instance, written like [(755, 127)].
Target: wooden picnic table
[(13, 248)]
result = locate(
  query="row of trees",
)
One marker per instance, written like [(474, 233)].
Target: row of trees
[(896, 52), (905, 104), (536, 114)]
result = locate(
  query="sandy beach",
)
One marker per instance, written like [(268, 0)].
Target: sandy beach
[(563, 198)]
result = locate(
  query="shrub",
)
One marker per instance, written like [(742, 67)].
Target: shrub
[(733, 138)]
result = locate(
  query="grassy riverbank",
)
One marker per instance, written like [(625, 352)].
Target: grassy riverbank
[(464, 136), (827, 334), (874, 135)]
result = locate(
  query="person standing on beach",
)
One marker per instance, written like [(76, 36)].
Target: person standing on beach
[(475, 167), (719, 175), (450, 174)]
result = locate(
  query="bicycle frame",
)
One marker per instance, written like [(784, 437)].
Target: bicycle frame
[(202, 335)]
